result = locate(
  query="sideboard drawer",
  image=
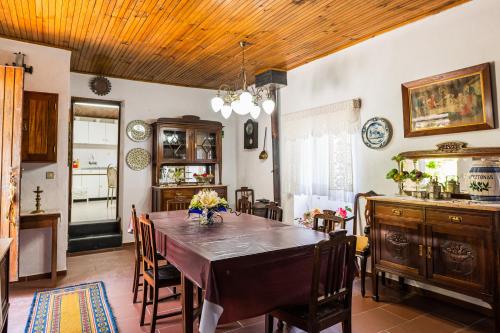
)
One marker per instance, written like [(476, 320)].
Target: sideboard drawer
[(458, 217), (173, 193), (396, 211)]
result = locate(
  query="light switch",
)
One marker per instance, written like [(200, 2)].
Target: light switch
[(50, 175)]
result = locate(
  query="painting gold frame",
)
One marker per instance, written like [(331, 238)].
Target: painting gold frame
[(426, 100)]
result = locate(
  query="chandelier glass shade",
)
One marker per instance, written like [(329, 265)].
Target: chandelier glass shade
[(244, 100)]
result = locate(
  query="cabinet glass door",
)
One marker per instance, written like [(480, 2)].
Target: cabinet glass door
[(175, 145), (205, 145)]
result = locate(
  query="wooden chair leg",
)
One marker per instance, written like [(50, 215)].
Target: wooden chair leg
[(269, 323), (135, 287), (375, 284), (155, 310), (144, 301), (364, 259), (383, 279), (346, 326)]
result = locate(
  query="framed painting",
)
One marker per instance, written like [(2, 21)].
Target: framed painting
[(458, 101)]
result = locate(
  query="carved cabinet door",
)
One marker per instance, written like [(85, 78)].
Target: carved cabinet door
[(458, 255), (399, 245)]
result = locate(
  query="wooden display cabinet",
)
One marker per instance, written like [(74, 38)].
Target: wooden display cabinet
[(183, 142)]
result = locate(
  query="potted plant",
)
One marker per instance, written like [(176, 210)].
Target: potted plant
[(398, 175)]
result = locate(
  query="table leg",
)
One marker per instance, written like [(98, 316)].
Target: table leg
[(187, 305), (54, 254)]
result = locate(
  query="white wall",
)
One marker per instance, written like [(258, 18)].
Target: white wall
[(149, 101), (51, 74), (253, 172), (464, 36), (374, 70)]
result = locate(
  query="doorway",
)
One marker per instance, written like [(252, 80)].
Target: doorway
[(94, 157)]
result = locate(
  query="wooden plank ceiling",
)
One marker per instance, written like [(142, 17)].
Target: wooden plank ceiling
[(195, 42)]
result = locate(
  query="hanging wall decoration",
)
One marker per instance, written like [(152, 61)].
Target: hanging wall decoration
[(376, 133), (100, 85), (138, 159), (458, 101), (138, 130)]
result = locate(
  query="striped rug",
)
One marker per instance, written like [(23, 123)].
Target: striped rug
[(76, 309)]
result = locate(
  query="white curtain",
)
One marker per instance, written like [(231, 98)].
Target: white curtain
[(317, 155)]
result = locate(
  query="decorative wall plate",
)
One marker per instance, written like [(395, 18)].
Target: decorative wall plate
[(376, 133), (138, 159), (138, 130), (100, 85)]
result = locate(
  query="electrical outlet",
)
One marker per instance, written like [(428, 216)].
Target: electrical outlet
[(50, 175)]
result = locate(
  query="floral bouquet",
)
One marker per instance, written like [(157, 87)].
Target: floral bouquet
[(207, 204), (308, 218)]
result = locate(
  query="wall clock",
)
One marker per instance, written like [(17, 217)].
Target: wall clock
[(376, 133), (100, 85), (251, 134)]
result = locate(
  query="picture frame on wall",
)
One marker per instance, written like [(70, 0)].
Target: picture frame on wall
[(457, 101)]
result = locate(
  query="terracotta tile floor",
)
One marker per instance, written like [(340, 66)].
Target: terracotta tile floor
[(395, 312)]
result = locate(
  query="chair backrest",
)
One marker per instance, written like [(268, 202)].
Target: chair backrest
[(148, 241), (333, 271), (244, 199), (329, 221), (178, 203), (274, 212), (137, 233), (357, 211), (112, 174)]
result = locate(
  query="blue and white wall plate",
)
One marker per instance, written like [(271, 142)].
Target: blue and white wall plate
[(376, 133)]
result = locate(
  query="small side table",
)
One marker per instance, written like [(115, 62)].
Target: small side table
[(48, 219)]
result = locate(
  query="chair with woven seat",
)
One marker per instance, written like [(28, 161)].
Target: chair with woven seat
[(274, 212), (155, 276), (112, 176), (245, 200), (363, 241), (331, 288)]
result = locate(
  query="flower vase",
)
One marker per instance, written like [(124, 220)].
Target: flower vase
[(401, 189), (207, 217)]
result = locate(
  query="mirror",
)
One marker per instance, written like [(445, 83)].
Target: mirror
[(454, 168), (138, 130)]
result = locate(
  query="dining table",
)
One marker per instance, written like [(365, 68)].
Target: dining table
[(246, 265)]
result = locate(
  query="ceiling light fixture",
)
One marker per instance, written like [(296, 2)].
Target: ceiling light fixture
[(242, 99)]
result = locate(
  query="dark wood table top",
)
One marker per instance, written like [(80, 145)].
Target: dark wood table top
[(237, 236)]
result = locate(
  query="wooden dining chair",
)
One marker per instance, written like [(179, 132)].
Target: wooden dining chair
[(363, 241), (178, 203), (155, 276), (329, 221), (331, 288), (274, 212), (245, 200), (138, 255)]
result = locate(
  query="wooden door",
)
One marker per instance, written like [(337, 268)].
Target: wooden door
[(399, 239), (458, 257), (39, 127), (11, 103)]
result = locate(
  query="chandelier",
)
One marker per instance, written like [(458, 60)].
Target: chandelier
[(242, 100)]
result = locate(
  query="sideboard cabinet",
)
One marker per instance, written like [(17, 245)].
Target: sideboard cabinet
[(449, 244)]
